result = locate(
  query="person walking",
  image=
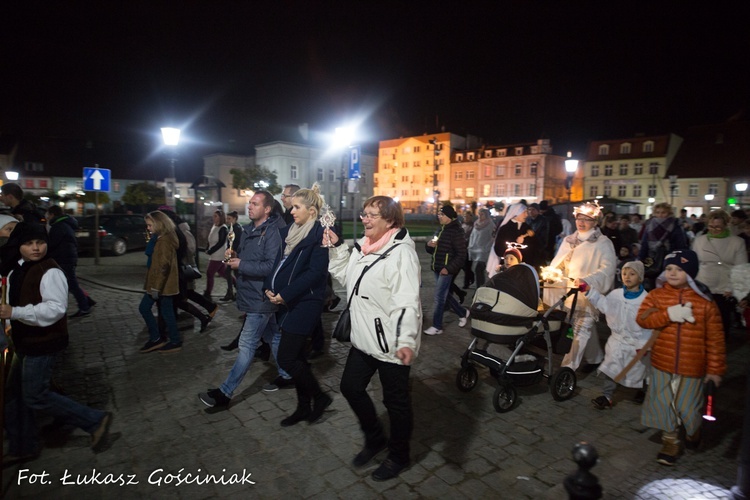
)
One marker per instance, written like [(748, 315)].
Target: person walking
[(254, 262), (234, 228), (480, 244), (386, 317), (298, 286), (217, 240), (448, 251), (63, 247), (22, 209)]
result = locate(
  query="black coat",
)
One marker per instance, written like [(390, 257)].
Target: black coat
[(450, 252), (63, 245)]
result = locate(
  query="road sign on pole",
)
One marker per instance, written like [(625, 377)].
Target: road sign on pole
[(355, 152), (96, 179)]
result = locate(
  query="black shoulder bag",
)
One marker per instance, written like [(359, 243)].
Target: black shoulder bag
[(343, 329)]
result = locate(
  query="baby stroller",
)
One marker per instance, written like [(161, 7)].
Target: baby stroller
[(507, 312)]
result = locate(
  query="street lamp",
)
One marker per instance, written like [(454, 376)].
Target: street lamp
[(11, 175), (571, 165), (171, 137), (342, 138), (740, 187), (672, 187)]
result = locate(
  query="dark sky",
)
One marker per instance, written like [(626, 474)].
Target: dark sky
[(234, 74)]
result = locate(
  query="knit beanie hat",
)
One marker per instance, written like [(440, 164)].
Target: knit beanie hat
[(449, 212), (25, 231), (687, 260), (637, 266), (515, 251)]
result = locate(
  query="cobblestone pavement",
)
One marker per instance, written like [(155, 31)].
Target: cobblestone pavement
[(462, 448)]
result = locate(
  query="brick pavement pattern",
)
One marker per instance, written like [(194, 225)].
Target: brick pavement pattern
[(462, 448)]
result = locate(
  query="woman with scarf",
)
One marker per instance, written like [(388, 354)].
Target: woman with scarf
[(480, 244), (298, 286), (718, 252), (514, 229), (586, 255), (386, 317), (661, 234)]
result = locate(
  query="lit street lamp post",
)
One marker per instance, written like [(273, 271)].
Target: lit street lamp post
[(171, 138), (342, 138), (571, 165)]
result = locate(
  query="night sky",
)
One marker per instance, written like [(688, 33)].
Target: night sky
[(235, 74)]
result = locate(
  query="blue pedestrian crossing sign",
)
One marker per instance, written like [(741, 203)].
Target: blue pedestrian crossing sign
[(96, 179)]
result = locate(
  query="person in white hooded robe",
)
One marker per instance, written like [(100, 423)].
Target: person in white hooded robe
[(586, 255)]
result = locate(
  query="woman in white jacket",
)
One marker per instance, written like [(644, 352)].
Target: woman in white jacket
[(386, 318)]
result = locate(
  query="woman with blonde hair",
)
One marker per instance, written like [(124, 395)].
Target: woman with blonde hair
[(162, 283), (298, 286)]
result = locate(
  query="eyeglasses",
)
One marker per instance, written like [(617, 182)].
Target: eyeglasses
[(716, 227), (365, 215)]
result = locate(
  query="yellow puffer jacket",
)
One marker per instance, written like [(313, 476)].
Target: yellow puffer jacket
[(689, 349)]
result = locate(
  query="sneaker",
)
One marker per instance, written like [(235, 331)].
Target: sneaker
[(602, 403), (278, 383), (97, 437), (214, 398), (321, 402), (170, 347), (462, 321), (670, 448), (433, 331), (81, 313), (389, 469), (153, 345), (368, 453)]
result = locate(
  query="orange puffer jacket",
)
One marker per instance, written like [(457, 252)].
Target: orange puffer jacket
[(689, 349)]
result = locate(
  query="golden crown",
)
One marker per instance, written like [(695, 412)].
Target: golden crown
[(589, 209)]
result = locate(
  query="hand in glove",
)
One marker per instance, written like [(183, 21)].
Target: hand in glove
[(154, 294), (680, 313)]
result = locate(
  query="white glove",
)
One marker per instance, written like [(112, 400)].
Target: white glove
[(680, 313)]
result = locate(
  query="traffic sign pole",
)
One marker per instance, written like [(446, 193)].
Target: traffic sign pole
[(97, 243)]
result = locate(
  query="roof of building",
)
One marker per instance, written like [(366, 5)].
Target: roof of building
[(660, 148), (708, 150)]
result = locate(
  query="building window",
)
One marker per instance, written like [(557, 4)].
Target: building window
[(594, 170), (499, 189), (516, 190), (116, 186), (459, 157), (693, 190), (648, 147), (293, 172), (608, 190), (607, 170), (532, 168), (487, 171), (488, 153), (532, 189), (638, 170), (499, 171), (79, 185), (637, 191), (458, 175), (625, 148), (519, 151), (416, 164), (28, 183), (621, 191), (603, 149), (653, 168), (652, 190), (623, 169), (459, 192), (470, 192), (593, 191), (470, 156), (713, 188), (518, 169), (331, 175), (486, 190), (502, 152), (469, 174), (416, 149), (676, 190), (43, 183), (319, 177), (62, 184), (406, 164)]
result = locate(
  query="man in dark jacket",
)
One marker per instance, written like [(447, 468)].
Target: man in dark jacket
[(286, 200), (554, 228), (449, 253), (63, 247), (22, 209)]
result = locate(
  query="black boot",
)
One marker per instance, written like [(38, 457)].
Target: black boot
[(232, 345), (229, 296), (301, 413)]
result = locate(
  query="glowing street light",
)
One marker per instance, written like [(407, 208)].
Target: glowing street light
[(740, 187), (342, 139), (11, 175)]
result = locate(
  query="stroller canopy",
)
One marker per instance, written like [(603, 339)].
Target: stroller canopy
[(520, 282)]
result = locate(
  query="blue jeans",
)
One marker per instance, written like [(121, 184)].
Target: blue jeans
[(256, 325), (166, 304), (28, 391), (443, 298)]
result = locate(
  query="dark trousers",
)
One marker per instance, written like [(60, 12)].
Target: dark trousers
[(292, 359), (199, 299), (318, 337), (394, 378), (73, 287), (726, 307)]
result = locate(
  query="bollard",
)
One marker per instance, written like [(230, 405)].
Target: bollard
[(582, 484)]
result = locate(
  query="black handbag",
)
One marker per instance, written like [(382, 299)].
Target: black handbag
[(190, 272), (343, 329)]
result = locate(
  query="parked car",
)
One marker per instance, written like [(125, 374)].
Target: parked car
[(117, 233)]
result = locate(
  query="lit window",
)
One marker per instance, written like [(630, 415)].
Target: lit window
[(486, 190), (693, 190), (470, 192), (459, 192)]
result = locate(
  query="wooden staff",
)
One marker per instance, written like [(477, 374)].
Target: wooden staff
[(3, 361)]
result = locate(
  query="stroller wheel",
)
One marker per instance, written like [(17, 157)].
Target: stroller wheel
[(505, 397), (563, 384), (467, 378)]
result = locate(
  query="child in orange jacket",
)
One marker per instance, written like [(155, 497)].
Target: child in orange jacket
[(689, 351)]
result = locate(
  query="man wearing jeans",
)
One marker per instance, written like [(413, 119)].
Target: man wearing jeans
[(448, 251), (259, 245)]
